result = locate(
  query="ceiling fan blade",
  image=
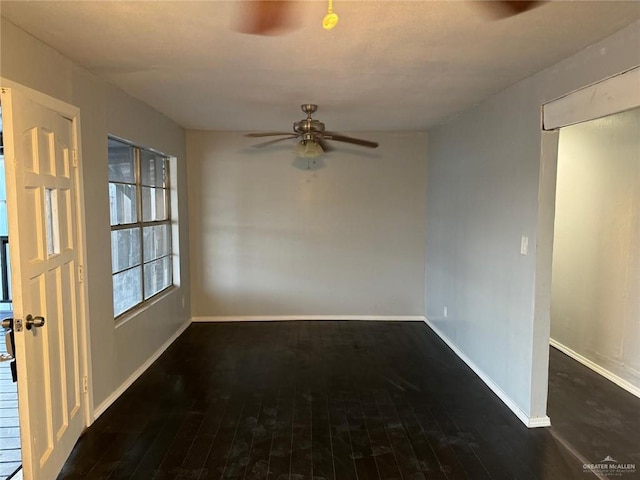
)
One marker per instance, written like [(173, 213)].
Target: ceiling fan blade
[(343, 138), (267, 134), (324, 144), (271, 142), (267, 17), (503, 9)]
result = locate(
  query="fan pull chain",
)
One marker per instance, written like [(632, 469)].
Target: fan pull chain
[(330, 19)]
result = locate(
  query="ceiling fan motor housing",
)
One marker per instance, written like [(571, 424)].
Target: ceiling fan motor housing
[(308, 127)]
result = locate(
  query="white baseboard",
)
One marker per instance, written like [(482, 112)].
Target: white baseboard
[(280, 318), (100, 409), (530, 422), (536, 422), (621, 382)]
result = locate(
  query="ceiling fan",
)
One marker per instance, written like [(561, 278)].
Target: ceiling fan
[(275, 17), (311, 136)]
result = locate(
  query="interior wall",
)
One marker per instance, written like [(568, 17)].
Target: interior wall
[(345, 237), (115, 352), (482, 198), (595, 303)]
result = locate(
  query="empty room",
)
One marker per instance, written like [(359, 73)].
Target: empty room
[(319, 240)]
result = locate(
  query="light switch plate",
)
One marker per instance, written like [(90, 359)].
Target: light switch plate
[(524, 245)]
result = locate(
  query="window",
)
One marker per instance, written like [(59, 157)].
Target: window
[(139, 198)]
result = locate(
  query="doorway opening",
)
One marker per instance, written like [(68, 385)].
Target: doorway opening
[(45, 211), (595, 293), (10, 451), (595, 287)]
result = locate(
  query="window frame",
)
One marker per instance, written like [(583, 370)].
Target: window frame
[(140, 224)]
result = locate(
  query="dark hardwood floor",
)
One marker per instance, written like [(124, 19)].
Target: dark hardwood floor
[(9, 423), (594, 417), (343, 400)]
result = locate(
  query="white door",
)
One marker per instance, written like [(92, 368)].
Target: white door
[(41, 198)]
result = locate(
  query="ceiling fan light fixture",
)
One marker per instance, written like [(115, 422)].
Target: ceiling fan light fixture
[(311, 136), (308, 149)]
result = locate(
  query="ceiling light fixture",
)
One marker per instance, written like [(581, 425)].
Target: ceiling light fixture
[(308, 149)]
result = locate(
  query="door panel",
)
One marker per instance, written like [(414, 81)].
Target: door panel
[(41, 194)]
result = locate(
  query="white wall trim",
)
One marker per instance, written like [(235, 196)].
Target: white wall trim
[(536, 422), (530, 422), (280, 318), (621, 382), (612, 95), (100, 409), (64, 108)]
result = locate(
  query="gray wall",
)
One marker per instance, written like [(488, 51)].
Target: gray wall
[(274, 238), (482, 196), (595, 303), (116, 352)]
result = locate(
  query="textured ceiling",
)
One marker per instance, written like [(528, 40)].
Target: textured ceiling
[(388, 65)]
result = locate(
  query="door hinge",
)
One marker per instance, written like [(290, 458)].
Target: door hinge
[(85, 384), (80, 273), (74, 157)]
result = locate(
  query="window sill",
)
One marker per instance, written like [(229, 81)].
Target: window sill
[(138, 310)]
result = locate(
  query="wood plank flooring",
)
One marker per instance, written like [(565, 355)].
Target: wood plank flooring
[(593, 415), (334, 401), (9, 423)]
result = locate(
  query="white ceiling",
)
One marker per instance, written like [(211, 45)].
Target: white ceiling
[(388, 65)]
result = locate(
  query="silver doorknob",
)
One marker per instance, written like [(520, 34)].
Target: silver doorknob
[(32, 321)]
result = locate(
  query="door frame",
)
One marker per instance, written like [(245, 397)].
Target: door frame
[(607, 96), (72, 113)]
